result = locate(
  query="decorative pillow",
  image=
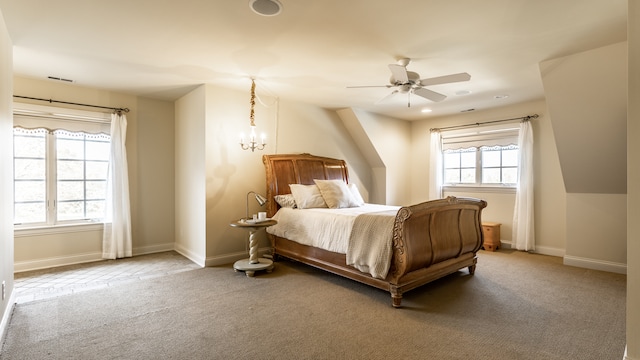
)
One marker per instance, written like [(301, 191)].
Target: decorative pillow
[(286, 200), (359, 201), (336, 193), (307, 196)]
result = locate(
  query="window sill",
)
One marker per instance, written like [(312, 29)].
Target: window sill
[(480, 189), (57, 229)]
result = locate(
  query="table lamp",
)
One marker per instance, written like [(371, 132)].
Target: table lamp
[(259, 198)]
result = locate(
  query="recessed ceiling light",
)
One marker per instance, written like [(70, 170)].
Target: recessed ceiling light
[(426, 110), (265, 7), (463, 92)]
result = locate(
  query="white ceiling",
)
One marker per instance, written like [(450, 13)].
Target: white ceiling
[(313, 50)]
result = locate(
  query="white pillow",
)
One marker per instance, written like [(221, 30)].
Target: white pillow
[(285, 200), (359, 201), (307, 196), (336, 193)]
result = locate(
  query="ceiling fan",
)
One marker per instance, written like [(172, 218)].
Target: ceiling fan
[(409, 82)]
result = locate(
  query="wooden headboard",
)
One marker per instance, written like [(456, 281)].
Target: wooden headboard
[(284, 169)]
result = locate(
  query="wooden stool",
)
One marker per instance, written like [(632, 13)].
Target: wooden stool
[(491, 231)]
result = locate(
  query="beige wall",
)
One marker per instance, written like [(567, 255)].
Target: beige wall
[(190, 224), (150, 151), (586, 95), (633, 188), (597, 231), (386, 143), (155, 182), (6, 177), (230, 172), (549, 194)]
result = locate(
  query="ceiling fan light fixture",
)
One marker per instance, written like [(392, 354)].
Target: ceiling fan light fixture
[(404, 88), (265, 7)]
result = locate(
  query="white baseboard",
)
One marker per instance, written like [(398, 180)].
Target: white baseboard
[(21, 266), (196, 258), (225, 259), (152, 249), (545, 250), (595, 264), (587, 263), (8, 311), (542, 250), (37, 264), (626, 356), (231, 258)]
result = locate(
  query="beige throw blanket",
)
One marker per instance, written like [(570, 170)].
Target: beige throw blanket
[(369, 248)]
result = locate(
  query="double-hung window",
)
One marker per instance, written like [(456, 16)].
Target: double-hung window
[(480, 157), (61, 161)]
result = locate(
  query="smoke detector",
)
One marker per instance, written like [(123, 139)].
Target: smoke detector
[(266, 7)]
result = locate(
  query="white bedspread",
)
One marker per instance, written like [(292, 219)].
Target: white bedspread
[(328, 229), (370, 243)]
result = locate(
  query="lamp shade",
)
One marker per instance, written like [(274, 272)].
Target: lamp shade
[(260, 199)]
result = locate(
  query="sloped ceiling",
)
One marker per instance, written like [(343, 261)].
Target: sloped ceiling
[(587, 99)]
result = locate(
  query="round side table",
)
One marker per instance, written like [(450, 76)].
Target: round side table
[(253, 263)]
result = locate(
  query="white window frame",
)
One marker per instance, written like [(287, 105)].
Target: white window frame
[(34, 116), (477, 137)]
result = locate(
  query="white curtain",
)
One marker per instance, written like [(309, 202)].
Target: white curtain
[(116, 242), (523, 223), (435, 166)]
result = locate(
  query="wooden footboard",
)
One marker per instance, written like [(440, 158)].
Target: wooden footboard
[(434, 239), (430, 240), (431, 232)]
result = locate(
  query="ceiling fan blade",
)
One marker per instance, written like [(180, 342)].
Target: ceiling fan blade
[(429, 95), (368, 86), (445, 79), (387, 97), (399, 73)]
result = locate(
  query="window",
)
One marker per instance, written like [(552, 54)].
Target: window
[(60, 176), (30, 176), (499, 165), (485, 158)]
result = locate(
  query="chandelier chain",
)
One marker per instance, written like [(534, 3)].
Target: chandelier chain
[(253, 103)]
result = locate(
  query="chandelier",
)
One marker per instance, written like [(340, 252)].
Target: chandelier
[(252, 143)]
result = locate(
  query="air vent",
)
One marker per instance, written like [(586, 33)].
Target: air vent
[(59, 79)]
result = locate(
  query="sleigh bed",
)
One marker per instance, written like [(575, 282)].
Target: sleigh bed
[(428, 240)]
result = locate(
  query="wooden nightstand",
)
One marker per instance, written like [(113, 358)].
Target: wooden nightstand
[(491, 231)]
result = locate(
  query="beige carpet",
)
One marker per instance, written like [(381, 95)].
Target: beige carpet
[(516, 306)]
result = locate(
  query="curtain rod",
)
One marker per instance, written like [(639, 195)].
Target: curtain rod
[(525, 118), (126, 110)]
